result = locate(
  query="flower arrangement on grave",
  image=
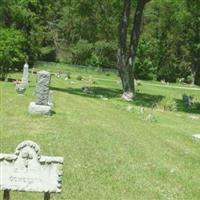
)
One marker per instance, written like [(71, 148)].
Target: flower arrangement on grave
[(20, 87)]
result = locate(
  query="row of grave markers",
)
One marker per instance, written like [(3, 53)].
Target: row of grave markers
[(26, 170), (43, 95)]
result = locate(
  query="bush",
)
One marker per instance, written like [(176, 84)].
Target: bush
[(145, 64), (81, 52), (104, 54), (12, 55), (48, 54)]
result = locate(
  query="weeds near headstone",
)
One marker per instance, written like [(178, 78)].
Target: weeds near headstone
[(167, 104)]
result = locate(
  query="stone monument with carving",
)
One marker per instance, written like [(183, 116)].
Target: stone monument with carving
[(28, 171), (41, 104)]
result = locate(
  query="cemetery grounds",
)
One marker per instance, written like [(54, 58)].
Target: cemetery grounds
[(113, 150)]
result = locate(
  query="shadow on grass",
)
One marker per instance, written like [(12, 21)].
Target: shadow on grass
[(95, 92), (147, 100), (141, 99), (8, 80), (194, 108), (52, 112)]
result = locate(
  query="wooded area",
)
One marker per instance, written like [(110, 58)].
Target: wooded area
[(86, 32)]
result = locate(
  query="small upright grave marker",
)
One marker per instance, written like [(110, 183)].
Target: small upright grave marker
[(41, 104), (25, 74), (27, 171)]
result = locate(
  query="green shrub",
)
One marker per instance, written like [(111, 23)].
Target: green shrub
[(81, 52), (144, 64), (104, 54), (48, 54), (12, 55)]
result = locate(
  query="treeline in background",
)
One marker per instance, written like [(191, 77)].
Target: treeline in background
[(85, 32)]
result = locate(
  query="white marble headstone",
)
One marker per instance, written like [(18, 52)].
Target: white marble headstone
[(26, 170), (25, 74)]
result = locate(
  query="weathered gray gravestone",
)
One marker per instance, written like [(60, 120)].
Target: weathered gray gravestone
[(27, 171), (25, 74), (41, 105), (42, 88)]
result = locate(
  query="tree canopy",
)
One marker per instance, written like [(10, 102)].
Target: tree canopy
[(85, 32)]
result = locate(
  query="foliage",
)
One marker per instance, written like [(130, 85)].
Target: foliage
[(104, 54), (81, 52), (86, 33), (47, 53), (12, 55), (144, 65), (99, 54), (168, 25)]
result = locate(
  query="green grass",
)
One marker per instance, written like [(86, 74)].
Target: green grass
[(112, 150)]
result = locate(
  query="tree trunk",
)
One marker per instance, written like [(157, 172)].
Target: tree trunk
[(196, 72), (195, 53), (126, 57), (193, 73), (195, 69), (126, 78)]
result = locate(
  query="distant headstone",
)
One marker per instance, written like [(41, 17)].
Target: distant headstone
[(41, 105), (27, 171), (187, 100), (25, 74)]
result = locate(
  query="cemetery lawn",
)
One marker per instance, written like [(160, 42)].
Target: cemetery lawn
[(112, 150)]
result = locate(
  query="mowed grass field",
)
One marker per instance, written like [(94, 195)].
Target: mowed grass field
[(113, 150)]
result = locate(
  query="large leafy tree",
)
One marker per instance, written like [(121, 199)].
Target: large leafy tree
[(192, 20), (85, 32), (12, 55)]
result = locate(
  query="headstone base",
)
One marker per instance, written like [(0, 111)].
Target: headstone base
[(39, 109)]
